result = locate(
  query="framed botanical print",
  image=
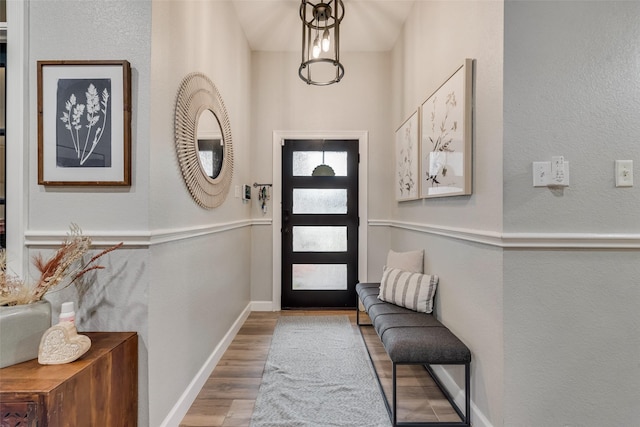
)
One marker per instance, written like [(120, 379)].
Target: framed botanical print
[(407, 158), (446, 136), (84, 123)]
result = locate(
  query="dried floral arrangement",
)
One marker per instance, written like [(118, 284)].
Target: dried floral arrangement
[(58, 272)]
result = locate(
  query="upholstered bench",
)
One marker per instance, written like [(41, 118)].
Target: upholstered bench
[(414, 338)]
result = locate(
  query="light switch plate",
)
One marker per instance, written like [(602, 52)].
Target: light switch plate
[(541, 174), (624, 173)]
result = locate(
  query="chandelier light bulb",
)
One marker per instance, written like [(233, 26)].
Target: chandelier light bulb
[(326, 40), (316, 47)]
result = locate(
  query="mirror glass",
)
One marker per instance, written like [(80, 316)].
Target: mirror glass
[(210, 144)]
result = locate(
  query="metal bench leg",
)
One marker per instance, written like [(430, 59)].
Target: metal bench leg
[(358, 314), (394, 408), (467, 392)]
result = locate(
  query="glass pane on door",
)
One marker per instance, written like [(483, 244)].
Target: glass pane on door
[(304, 162), (319, 239), (319, 201), (319, 277)]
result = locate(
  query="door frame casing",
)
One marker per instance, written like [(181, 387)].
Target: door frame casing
[(17, 151), (278, 139)]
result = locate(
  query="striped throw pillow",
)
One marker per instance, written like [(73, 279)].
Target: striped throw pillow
[(414, 291)]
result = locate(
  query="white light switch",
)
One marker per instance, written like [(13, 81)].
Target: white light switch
[(624, 173), (541, 173)]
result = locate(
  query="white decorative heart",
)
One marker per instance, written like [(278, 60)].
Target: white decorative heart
[(62, 344)]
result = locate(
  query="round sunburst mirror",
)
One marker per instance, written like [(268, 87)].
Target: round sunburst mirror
[(203, 141)]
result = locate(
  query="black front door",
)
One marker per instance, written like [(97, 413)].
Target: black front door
[(319, 223)]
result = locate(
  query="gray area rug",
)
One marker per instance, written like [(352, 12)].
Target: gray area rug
[(318, 374)]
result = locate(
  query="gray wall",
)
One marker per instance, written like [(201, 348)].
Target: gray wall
[(200, 282), (460, 235), (283, 102), (181, 281), (540, 283), (116, 299), (572, 89), (571, 316)]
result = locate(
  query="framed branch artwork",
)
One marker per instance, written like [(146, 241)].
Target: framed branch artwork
[(446, 137), (407, 159), (84, 123)]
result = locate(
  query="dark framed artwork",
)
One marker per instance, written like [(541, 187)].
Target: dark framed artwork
[(84, 123)]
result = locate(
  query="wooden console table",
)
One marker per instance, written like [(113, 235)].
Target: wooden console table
[(99, 389)]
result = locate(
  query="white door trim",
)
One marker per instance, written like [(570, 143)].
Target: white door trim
[(17, 136), (363, 147)]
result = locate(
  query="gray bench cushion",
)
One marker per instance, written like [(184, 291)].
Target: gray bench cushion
[(366, 290), (409, 336), (370, 300), (388, 321), (376, 310), (371, 286), (433, 345)]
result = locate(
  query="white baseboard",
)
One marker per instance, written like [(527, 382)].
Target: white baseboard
[(478, 419), (262, 306), (187, 398)]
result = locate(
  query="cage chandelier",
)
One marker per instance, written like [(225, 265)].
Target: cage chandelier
[(321, 42)]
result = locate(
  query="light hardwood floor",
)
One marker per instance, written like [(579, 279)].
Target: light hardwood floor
[(228, 396)]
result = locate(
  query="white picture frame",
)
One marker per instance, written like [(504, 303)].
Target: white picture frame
[(407, 158), (446, 137)]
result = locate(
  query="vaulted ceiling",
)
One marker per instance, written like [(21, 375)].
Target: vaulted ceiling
[(368, 25)]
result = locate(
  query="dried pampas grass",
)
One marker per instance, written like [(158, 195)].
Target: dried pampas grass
[(62, 269)]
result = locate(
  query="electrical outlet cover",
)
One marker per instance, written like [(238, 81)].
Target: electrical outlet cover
[(559, 175)]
